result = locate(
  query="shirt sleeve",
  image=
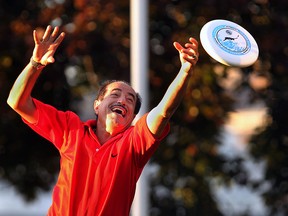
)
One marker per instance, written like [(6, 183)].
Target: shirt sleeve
[(144, 142), (53, 124)]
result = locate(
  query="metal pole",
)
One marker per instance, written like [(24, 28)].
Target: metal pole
[(139, 81)]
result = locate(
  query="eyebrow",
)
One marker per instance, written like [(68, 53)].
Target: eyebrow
[(129, 93)]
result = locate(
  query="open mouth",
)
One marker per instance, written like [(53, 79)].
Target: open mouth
[(119, 109)]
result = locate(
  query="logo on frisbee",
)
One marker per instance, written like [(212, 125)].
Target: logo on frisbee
[(231, 40)]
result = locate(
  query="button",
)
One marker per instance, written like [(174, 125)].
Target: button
[(97, 149)]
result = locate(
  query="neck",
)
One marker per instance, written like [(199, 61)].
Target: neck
[(107, 129), (105, 133), (102, 135)]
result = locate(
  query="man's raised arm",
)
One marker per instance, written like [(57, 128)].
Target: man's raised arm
[(20, 95), (159, 116)]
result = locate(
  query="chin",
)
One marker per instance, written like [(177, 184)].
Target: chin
[(117, 123)]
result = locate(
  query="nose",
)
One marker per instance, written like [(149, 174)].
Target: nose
[(122, 99)]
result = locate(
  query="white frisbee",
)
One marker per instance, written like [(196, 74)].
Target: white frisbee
[(229, 43)]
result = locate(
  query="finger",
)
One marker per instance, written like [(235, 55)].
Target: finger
[(55, 32), (51, 59), (193, 41), (59, 39), (47, 33), (191, 46), (35, 36), (192, 60), (178, 47), (195, 57), (191, 52)]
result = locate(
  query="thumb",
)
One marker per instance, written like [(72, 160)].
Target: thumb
[(178, 46), (50, 59)]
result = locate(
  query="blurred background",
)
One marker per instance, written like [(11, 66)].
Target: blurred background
[(227, 153)]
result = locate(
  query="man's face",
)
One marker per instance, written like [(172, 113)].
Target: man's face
[(116, 110)]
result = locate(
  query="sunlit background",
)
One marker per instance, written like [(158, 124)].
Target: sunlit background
[(227, 153)]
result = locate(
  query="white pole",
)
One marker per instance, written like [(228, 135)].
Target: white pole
[(139, 81), (139, 49)]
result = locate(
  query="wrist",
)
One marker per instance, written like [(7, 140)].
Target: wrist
[(186, 69), (36, 65)]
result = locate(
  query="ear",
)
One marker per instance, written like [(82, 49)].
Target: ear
[(96, 105)]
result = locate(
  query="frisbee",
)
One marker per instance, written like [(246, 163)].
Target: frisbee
[(229, 43)]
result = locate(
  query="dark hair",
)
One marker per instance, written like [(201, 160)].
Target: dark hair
[(103, 89)]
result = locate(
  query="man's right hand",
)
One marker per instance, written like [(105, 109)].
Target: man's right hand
[(46, 46)]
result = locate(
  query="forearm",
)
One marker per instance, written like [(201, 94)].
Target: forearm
[(161, 114), (174, 94), (20, 95), (158, 117)]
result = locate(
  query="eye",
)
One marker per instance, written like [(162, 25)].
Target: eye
[(130, 100)]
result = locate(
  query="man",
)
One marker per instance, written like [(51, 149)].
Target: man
[(102, 159)]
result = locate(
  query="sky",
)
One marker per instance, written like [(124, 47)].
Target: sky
[(12, 204)]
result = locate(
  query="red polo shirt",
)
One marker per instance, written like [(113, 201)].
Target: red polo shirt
[(94, 179)]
